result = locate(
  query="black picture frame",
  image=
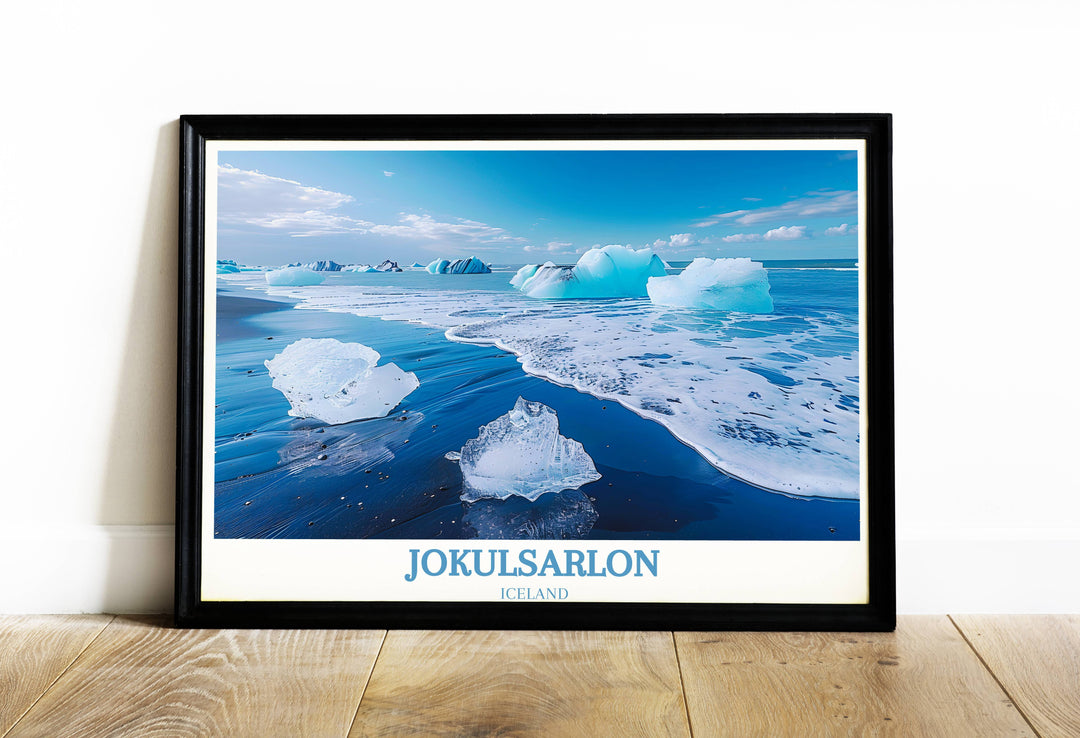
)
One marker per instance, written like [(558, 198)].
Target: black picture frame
[(876, 614)]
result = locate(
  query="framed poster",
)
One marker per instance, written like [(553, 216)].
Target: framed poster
[(590, 372)]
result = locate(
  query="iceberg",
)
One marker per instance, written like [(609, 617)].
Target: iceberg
[(323, 265), (337, 382), (521, 453), (227, 266), (415, 265), (388, 266), (715, 284), (293, 277), (611, 271), (472, 265), (359, 268)]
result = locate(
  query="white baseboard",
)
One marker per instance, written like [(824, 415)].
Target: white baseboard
[(129, 569), (999, 571), (99, 568)]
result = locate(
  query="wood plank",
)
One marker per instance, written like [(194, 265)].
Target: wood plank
[(523, 684), (142, 678), (34, 651), (1037, 660), (923, 680)]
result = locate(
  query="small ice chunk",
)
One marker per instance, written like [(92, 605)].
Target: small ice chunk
[(338, 382), (715, 284), (453, 455), (293, 277), (521, 453), (611, 271)]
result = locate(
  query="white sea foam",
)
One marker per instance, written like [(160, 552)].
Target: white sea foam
[(293, 276), (770, 399)]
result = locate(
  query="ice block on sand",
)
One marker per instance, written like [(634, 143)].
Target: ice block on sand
[(337, 382), (521, 453)]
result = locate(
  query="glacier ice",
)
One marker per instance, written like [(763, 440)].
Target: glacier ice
[(437, 266), (415, 265), (227, 266), (525, 272), (716, 284), (388, 266), (293, 277), (521, 453), (359, 268), (610, 271), (472, 265), (338, 382)]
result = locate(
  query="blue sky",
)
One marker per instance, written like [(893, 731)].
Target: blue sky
[(515, 207)]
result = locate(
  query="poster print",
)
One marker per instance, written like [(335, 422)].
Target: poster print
[(535, 372)]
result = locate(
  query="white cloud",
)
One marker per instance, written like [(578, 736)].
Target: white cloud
[(813, 204), (388, 174), (787, 233), (253, 198), (704, 223), (675, 241), (551, 246), (257, 199), (311, 223), (752, 199), (424, 226), (243, 194), (742, 238), (842, 230)]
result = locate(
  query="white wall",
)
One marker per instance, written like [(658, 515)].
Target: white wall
[(986, 159)]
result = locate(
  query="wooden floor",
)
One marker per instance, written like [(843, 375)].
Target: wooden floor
[(936, 676)]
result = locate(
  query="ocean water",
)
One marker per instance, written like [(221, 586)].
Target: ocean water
[(702, 425)]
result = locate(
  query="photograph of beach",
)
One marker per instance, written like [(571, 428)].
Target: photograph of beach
[(537, 344)]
